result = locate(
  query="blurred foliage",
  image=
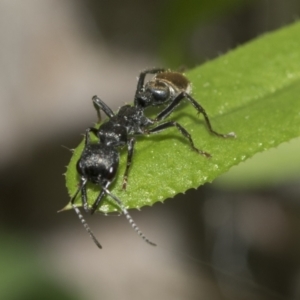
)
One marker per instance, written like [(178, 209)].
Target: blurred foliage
[(268, 168), (22, 276), (178, 20)]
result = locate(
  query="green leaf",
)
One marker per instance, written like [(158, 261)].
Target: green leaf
[(253, 91), (266, 169)]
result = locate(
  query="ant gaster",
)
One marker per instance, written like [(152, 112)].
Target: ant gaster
[(99, 161)]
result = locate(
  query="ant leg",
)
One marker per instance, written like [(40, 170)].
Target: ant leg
[(98, 201), (182, 130), (87, 136), (170, 108), (83, 182), (130, 147), (81, 188), (85, 205), (128, 217), (100, 105), (141, 78)]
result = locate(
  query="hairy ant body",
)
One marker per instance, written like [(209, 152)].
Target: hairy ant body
[(99, 161)]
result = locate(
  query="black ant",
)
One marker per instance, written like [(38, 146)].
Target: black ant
[(99, 161)]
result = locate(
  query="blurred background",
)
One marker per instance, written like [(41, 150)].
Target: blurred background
[(229, 240)]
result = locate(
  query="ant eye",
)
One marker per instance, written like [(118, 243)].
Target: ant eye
[(161, 94)]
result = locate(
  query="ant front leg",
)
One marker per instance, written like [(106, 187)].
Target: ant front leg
[(98, 201), (85, 205), (130, 148), (81, 189), (87, 139), (141, 78), (182, 130), (100, 105), (171, 107)]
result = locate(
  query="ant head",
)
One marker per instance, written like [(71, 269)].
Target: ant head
[(162, 88)]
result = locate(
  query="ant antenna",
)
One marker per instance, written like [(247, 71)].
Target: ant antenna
[(83, 221), (69, 149), (128, 217), (86, 226)]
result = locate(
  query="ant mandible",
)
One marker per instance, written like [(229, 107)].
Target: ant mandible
[(99, 161)]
